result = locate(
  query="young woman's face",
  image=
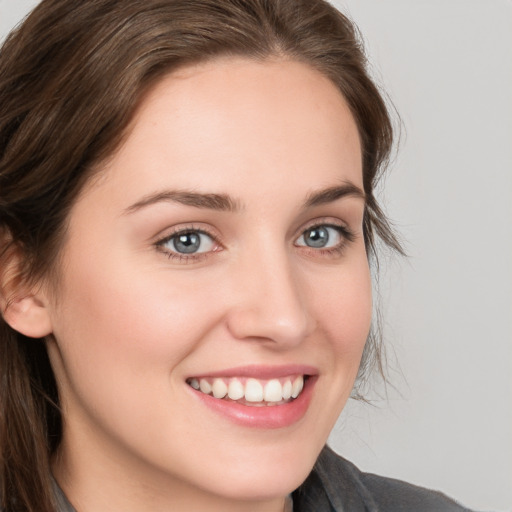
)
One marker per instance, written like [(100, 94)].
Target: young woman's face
[(222, 248)]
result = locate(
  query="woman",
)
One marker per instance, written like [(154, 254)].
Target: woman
[(187, 216)]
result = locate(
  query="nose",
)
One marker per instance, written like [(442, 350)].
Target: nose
[(269, 301)]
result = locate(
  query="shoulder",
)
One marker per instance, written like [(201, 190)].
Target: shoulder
[(343, 487)]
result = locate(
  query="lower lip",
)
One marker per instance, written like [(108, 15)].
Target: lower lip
[(266, 417)]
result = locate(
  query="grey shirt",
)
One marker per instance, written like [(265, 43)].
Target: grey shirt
[(336, 485)]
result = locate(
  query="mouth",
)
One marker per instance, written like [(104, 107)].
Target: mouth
[(250, 391), (256, 396)]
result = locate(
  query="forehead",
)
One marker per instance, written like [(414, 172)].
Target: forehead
[(232, 122)]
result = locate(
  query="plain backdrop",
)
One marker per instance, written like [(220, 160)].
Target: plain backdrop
[(447, 421)]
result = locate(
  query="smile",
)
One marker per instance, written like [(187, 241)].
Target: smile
[(251, 391)]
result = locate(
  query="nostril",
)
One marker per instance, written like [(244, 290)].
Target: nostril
[(269, 301), (270, 321)]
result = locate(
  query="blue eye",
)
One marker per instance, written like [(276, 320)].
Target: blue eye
[(188, 242), (321, 237)]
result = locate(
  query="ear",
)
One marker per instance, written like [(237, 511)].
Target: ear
[(24, 306)]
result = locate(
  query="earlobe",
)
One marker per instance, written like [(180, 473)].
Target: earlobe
[(28, 315), (23, 306)]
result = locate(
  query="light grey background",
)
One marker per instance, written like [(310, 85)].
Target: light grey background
[(447, 65)]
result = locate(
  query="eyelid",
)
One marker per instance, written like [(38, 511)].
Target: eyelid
[(327, 222), (201, 228), (346, 234)]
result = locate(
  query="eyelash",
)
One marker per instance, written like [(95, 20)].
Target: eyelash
[(192, 257), (347, 237)]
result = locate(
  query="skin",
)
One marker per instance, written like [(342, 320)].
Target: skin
[(130, 324)]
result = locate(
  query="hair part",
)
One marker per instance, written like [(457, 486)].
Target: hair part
[(71, 78)]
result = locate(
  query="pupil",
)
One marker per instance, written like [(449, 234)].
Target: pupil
[(317, 237), (187, 243)]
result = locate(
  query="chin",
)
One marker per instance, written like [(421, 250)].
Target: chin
[(266, 474), (260, 486)]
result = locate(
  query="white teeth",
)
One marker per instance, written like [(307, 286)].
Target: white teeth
[(298, 384), (205, 386), (235, 390), (287, 389), (219, 388), (253, 391), (273, 391)]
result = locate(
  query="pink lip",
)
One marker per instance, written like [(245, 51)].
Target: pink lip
[(265, 417), (261, 372)]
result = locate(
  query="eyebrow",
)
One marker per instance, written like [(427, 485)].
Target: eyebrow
[(220, 202), (332, 194), (224, 202)]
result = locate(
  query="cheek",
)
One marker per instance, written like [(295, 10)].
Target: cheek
[(139, 318), (344, 317), (124, 329), (120, 347), (344, 307), (342, 304)]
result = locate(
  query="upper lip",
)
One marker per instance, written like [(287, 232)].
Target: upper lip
[(261, 371)]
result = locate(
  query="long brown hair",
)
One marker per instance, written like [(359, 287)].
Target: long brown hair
[(71, 77)]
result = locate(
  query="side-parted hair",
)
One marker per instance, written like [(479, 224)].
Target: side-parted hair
[(71, 77)]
